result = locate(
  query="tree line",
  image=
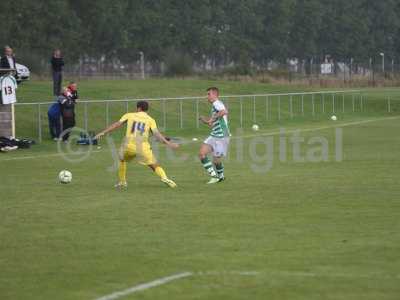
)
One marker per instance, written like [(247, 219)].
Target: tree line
[(223, 31)]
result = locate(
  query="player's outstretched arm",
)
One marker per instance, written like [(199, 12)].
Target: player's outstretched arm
[(109, 129), (163, 140), (204, 120), (216, 116)]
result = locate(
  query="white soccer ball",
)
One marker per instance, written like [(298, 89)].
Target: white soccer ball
[(333, 118), (65, 176), (194, 139), (255, 127)]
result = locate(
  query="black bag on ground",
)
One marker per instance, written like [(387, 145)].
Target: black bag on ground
[(12, 142), (87, 139)]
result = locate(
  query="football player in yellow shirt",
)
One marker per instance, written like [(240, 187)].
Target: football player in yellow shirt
[(139, 126)]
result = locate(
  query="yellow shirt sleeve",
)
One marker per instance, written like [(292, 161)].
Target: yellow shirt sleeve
[(124, 118), (153, 125)]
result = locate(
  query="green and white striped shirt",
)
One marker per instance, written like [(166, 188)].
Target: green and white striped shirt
[(220, 127)]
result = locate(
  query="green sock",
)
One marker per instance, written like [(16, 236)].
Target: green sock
[(208, 166), (220, 170)]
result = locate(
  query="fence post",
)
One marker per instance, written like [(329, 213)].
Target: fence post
[(291, 106), (181, 113), (107, 113), (266, 108), (241, 112), (39, 123), (302, 104), (323, 103), (333, 103), (313, 104), (85, 116), (164, 114), (352, 102), (127, 106), (197, 114), (343, 103), (361, 102), (254, 110), (389, 105), (279, 108)]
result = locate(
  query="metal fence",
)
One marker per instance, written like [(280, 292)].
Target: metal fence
[(183, 113)]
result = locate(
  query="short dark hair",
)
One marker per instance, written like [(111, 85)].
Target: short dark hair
[(143, 105), (214, 89)]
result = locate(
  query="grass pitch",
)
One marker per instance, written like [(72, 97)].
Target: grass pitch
[(302, 230)]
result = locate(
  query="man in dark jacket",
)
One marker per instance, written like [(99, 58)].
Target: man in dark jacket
[(8, 60), (57, 64), (67, 112)]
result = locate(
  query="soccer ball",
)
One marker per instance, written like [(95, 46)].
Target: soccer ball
[(255, 127), (333, 118), (65, 176)]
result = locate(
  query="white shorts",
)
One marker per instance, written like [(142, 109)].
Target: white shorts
[(219, 145)]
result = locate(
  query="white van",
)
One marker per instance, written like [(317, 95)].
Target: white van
[(23, 72)]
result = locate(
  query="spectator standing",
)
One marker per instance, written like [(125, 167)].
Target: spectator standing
[(8, 60), (67, 112), (54, 115), (57, 65)]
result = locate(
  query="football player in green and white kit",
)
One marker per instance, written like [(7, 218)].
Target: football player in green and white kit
[(218, 141)]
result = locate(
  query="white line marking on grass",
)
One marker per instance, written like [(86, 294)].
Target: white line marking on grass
[(302, 274), (285, 273), (277, 132), (272, 273), (337, 275), (318, 128), (145, 286), (294, 273), (219, 273)]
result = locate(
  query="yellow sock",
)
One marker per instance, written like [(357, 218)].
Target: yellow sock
[(122, 171), (160, 172)]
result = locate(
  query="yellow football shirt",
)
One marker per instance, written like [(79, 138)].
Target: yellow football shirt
[(139, 125)]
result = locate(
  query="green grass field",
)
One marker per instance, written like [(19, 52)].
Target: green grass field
[(301, 230)]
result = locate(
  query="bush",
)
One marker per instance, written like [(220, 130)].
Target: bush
[(178, 64), (238, 70), (35, 63)]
